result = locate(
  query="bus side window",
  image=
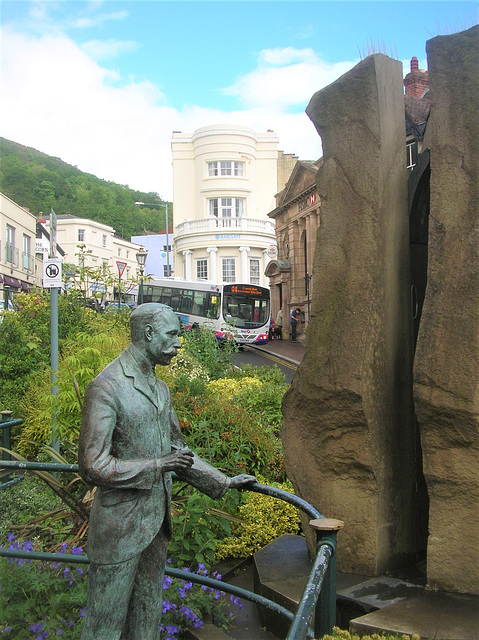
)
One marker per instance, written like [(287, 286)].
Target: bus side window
[(165, 296), (175, 301), (199, 303), (186, 301)]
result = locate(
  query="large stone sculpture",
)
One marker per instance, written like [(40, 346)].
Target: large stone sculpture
[(446, 369), (348, 432), (130, 442)]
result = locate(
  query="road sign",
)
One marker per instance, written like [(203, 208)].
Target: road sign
[(52, 273), (53, 235), (121, 267)]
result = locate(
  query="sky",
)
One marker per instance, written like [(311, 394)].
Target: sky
[(103, 84)]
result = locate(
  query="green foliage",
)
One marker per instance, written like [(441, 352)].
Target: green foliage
[(25, 341), (40, 597), (262, 520), (47, 599), (20, 502), (83, 357), (199, 523), (41, 182), (216, 357), (342, 634)]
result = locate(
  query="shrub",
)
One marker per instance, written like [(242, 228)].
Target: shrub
[(216, 357), (47, 599), (83, 358), (263, 520), (199, 524), (25, 341), (341, 634)]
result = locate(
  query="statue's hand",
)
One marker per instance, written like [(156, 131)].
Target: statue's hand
[(177, 459), (240, 482)]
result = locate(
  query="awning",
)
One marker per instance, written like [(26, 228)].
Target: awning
[(277, 266), (26, 285), (12, 282)]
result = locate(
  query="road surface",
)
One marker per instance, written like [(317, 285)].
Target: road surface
[(248, 355)]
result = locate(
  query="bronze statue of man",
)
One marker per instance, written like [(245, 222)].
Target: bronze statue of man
[(130, 442)]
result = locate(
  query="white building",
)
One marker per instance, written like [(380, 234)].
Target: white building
[(19, 268), (104, 249), (224, 181), (159, 261)]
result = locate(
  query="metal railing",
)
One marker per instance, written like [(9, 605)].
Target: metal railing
[(319, 593), (226, 225)]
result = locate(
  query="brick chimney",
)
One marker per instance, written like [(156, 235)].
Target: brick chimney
[(416, 82)]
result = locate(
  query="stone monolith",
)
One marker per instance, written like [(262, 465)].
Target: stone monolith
[(446, 369), (348, 431)]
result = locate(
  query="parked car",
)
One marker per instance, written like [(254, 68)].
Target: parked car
[(114, 307)]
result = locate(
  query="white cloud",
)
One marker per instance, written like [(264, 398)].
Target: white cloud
[(285, 78), (59, 100), (108, 49), (97, 20)]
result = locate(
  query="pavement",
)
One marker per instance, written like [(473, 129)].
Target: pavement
[(292, 352)]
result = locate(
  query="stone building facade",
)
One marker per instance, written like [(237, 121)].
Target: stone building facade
[(297, 219)]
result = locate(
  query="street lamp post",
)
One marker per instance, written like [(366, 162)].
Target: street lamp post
[(163, 204), (141, 259)]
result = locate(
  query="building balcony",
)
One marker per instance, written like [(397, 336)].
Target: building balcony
[(222, 225), (27, 262), (11, 254)]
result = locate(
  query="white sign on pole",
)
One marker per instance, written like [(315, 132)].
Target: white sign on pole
[(52, 273), (121, 267)]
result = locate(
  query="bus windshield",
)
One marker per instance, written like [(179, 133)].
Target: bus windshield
[(246, 306)]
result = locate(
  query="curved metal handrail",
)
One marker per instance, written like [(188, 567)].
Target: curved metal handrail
[(310, 601)]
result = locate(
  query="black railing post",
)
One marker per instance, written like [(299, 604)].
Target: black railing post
[(325, 612)]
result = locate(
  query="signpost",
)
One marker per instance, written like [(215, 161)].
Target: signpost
[(121, 268), (52, 279)]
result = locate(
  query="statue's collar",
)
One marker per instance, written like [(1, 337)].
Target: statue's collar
[(141, 360)]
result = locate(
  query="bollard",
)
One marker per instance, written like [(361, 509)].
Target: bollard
[(325, 613)]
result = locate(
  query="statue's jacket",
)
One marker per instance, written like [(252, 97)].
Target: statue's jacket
[(126, 427)]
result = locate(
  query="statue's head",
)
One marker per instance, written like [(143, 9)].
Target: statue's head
[(154, 330)]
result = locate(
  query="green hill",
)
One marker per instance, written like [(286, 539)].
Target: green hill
[(39, 182)]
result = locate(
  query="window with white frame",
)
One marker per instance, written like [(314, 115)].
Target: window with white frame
[(81, 235), (228, 269), (104, 241), (27, 258), (202, 269), (226, 207), (168, 271), (10, 245), (254, 273), (225, 168), (119, 252)]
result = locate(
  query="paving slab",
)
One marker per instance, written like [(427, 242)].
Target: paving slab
[(428, 614)]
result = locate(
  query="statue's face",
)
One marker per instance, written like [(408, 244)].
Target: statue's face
[(162, 339)]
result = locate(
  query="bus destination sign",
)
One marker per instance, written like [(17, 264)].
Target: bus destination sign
[(247, 289)]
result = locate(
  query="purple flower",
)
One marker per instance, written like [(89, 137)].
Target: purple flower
[(11, 537), (82, 612)]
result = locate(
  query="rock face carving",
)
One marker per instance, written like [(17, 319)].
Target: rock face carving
[(446, 369), (348, 431)]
